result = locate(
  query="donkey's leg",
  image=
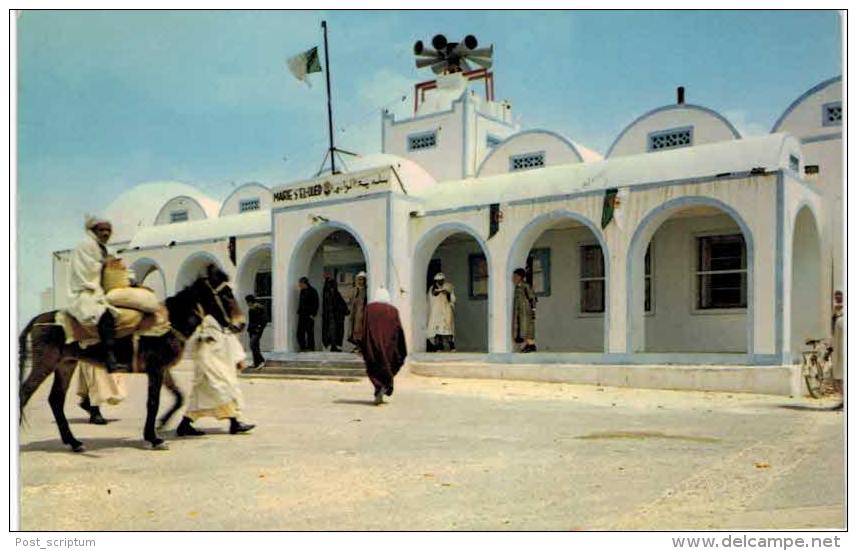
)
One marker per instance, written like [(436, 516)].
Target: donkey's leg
[(62, 378), (156, 379), (170, 383), (34, 380)]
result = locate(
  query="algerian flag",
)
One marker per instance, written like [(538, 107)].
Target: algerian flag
[(612, 209), (303, 64)]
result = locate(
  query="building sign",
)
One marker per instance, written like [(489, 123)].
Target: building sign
[(334, 186)]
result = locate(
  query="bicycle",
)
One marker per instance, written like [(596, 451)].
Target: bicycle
[(817, 368)]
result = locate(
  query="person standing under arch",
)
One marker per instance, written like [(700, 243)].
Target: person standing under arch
[(333, 312), (307, 310), (441, 321), (358, 310), (524, 312)]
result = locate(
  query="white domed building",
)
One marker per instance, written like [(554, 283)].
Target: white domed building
[(687, 256)]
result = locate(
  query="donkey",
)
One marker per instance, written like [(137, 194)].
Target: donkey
[(209, 294)]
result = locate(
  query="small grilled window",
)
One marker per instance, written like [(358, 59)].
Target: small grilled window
[(671, 139), (178, 216), (425, 140), (527, 161), (246, 205), (831, 114), (810, 169)]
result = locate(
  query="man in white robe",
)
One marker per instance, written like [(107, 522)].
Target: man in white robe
[(96, 387), (217, 358), (441, 320)]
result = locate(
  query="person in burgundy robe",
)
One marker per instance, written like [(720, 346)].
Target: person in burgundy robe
[(383, 344)]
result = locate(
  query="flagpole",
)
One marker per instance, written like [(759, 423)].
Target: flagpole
[(331, 149)]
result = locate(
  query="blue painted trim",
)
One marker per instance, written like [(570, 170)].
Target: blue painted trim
[(422, 134), (817, 88), (822, 138), (445, 229), (239, 188), (545, 221), (303, 206), (779, 267), (691, 106), (508, 140), (675, 204), (598, 358), (824, 108), (171, 199), (658, 133)]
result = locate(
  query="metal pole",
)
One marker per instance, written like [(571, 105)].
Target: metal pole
[(331, 149)]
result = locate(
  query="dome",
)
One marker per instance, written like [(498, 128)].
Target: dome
[(414, 177), (139, 206)]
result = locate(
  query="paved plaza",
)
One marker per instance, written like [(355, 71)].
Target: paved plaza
[(444, 454)]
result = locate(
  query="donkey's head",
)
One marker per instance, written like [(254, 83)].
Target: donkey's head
[(214, 295)]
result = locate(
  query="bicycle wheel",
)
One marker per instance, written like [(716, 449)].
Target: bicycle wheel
[(813, 377)]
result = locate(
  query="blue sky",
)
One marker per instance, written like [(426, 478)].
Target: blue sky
[(107, 100)]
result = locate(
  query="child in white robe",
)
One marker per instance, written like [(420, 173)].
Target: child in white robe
[(217, 358)]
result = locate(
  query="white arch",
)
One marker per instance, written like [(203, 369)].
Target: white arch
[(806, 316), (299, 263), (192, 267), (423, 251), (148, 272), (527, 237), (635, 283)]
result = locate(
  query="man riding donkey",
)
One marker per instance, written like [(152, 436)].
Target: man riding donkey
[(99, 285)]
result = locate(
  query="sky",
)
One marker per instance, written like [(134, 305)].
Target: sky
[(109, 99)]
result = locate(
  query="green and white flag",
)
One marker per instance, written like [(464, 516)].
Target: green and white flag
[(612, 209), (305, 63)]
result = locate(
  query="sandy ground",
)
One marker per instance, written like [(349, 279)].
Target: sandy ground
[(445, 454)]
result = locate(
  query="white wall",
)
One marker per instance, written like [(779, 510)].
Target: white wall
[(557, 152), (247, 191), (444, 161), (707, 128), (193, 208), (675, 325)]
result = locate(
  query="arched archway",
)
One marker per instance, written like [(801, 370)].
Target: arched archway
[(567, 263), (148, 273), (255, 278), (690, 279), (193, 267), (331, 247), (459, 252), (807, 299)]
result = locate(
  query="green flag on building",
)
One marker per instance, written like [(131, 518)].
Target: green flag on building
[(612, 209), (305, 63)]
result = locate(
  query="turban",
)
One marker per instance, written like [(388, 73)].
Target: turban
[(382, 295), (91, 220), (439, 276)]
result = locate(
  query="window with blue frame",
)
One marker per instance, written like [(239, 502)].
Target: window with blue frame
[(478, 287), (538, 271), (831, 114), (526, 161), (592, 279), (246, 205), (794, 163), (673, 138), (423, 140)]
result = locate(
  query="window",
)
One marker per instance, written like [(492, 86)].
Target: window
[(478, 287), (591, 279), (526, 161), (670, 139), (178, 216), (810, 169), (648, 275), (721, 272), (492, 141), (539, 271), (794, 163), (246, 205), (423, 140), (262, 291), (831, 114)]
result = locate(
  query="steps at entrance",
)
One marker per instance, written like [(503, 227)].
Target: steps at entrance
[(310, 365)]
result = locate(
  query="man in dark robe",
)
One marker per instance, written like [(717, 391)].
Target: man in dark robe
[(383, 344), (257, 320), (307, 310), (333, 312)]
